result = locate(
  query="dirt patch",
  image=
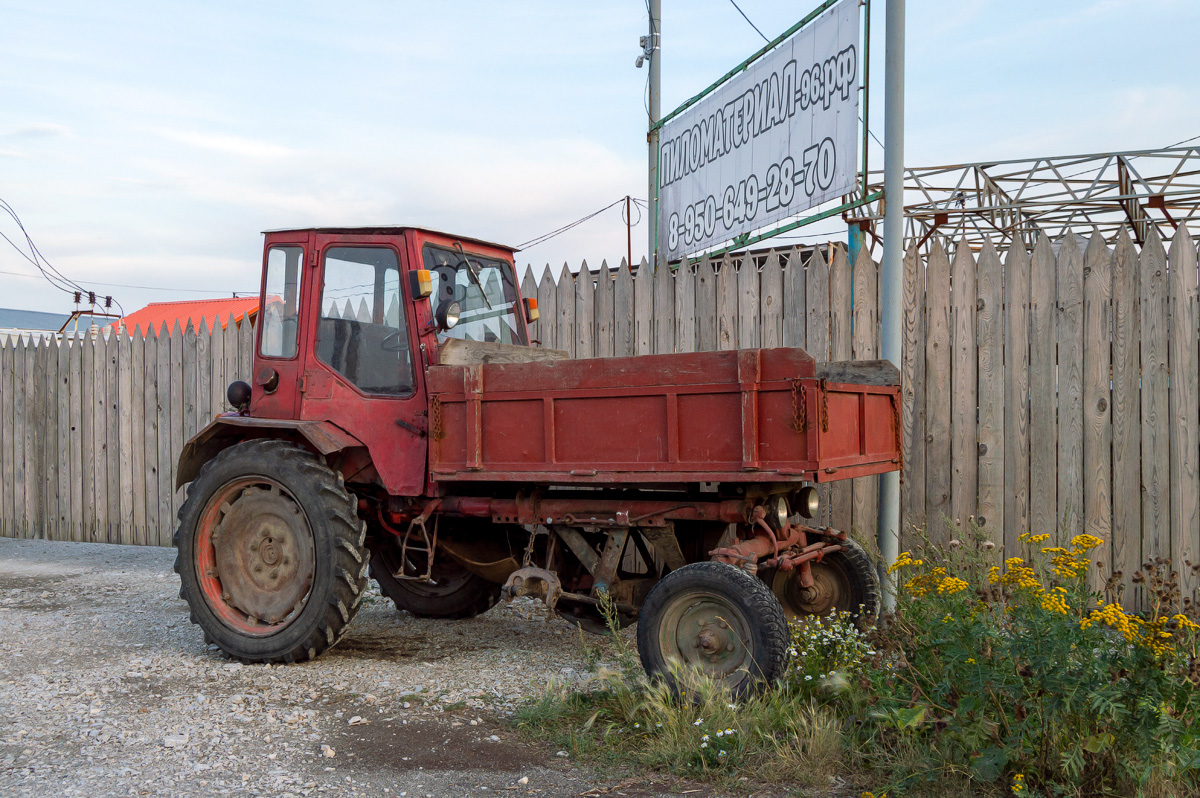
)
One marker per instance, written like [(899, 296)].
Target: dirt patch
[(106, 689)]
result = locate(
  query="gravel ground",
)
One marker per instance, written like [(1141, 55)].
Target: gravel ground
[(106, 689)]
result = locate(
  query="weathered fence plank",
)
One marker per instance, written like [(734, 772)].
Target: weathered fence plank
[(548, 307), (87, 436), (1043, 431), (685, 309), (663, 314), (938, 448), (604, 312), (585, 309), (565, 304), (841, 347), (964, 438), (727, 304), (149, 425), (77, 442), (125, 433), (1126, 551), (1156, 434), (865, 347), (989, 331), (1184, 404), (1096, 471), (529, 291), (771, 302), (64, 515), (816, 298), (794, 305), (748, 304), (137, 422), (1016, 398), (706, 305), (166, 423), (624, 335), (1069, 329), (112, 381), (6, 438), (643, 309)]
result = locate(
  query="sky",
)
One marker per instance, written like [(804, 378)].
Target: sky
[(149, 143)]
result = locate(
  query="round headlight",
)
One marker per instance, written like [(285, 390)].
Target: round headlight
[(447, 314), (808, 503), (778, 512)]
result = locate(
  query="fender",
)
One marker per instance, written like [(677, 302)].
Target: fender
[(323, 437)]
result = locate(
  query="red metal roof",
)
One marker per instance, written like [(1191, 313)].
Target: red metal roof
[(209, 310)]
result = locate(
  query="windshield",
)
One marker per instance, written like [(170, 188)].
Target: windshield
[(483, 288)]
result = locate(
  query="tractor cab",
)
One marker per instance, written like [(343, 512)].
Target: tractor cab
[(350, 319)]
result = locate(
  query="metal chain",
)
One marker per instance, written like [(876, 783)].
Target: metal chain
[(799, 406), (824, 409)]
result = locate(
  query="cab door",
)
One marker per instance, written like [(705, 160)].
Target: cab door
[(362, 375)]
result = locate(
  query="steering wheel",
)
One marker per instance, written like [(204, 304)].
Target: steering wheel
[(393, 341)]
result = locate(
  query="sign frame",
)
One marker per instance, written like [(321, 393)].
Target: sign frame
[(864, 198)]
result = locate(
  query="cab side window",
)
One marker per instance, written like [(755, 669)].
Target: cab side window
[(362, 333), (281, 302)]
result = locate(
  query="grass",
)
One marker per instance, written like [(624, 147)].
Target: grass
[(987, 681)]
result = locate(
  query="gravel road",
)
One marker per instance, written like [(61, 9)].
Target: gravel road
[(106, 689)]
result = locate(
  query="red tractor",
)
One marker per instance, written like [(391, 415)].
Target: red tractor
[(401, 425)]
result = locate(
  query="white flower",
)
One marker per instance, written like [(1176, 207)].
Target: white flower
[(721, 753), (728, 732), (733, 706), (698, 722), (808, 678), (704, 738), (719, 734), (704, 745), (658, 725)]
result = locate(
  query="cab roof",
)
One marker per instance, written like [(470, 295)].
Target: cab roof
[(384, 230)]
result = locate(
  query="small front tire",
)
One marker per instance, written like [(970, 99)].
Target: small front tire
[(717, 618)]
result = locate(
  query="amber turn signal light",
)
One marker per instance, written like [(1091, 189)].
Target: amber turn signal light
[(531, 310), (420, 282)]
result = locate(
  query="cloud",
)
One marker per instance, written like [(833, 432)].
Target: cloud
[(39, 130), (230, 145)]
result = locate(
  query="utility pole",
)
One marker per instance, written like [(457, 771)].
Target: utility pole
[(891, 278), (628, 234), (653, 51)]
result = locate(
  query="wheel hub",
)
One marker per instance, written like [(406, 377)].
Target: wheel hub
[(706, 631), (264, 554), (829, 591)]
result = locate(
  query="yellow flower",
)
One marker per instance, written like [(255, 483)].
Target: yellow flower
[(905, 560), (951, 585)]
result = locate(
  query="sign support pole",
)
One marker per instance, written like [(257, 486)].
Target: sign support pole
[(654, 105), (891, 278)]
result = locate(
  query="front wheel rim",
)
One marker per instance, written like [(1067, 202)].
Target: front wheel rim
[(254, 556), (706, 630)]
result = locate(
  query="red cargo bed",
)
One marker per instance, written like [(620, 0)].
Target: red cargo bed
[(754, 415)]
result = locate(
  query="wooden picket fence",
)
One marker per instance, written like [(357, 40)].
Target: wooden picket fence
[(92, 428), (1052, 390)]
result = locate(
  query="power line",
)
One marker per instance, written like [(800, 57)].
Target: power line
[(533, 242), (47, 270), (751, 24), (139, 287)]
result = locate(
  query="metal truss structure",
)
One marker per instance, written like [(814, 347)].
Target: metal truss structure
[(1020, 199)]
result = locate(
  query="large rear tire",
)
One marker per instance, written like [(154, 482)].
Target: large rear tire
[(844, 581), (271, 552), (454, 593), (718, 618)]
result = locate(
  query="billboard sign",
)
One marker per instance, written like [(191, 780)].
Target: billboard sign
[(778, 138)]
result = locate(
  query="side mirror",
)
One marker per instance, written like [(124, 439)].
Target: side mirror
[(447, 315)]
